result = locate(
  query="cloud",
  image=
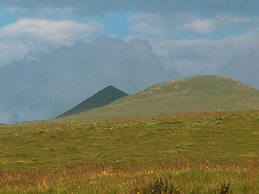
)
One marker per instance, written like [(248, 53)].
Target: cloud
[(220, 22), (235, 56), (143, 29), (200, 26), (146, 25), (244, 67), (153, 20), (42, 12), (26, 35), (11, 51), (48, 83), (57, 32), (191, 37), (161, 26), (199, 7)]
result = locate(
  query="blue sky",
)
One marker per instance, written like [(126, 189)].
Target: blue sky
[(6, 17), (90, 44)]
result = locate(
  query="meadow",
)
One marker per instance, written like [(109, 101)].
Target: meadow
[(188, 153)]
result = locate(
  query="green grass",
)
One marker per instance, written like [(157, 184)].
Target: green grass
[(190, 153), (196, 94)]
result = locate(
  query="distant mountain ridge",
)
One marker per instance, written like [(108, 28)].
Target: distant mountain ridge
[(195, 94), (100, 99)]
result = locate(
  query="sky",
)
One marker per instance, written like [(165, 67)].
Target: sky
[(56, 53)]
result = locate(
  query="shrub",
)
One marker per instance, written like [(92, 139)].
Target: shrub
[(159, 186), (223, 189)]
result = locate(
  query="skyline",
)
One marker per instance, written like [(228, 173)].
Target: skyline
[(57, 53)]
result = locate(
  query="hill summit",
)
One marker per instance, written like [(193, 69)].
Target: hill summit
[(195, 94), (100, 99), (209, 84)]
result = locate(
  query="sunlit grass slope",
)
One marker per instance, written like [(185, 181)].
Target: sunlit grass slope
[(189, 153), (195, 94)]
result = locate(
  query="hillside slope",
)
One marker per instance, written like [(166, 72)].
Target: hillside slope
[(195, 94), (101, 98)]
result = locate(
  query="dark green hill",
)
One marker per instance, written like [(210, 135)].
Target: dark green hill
[(195, 94), (101, 98)]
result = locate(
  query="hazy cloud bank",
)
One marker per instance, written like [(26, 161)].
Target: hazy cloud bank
[(235, 56), (49, 83), (45, 84)]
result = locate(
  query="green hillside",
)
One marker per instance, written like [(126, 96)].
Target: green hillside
[(195, 94), (101, 98)]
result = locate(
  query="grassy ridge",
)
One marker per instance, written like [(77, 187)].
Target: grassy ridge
[(196, 94), (194, 153)]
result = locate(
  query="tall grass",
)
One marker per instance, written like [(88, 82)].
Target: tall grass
[(182, 177)]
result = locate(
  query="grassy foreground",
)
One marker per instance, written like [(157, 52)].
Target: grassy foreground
[(191, 153)]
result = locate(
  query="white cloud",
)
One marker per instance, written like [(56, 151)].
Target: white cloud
[(200, 26), (205, 56), (147, 25), (219, 22), (56, 32), (159, 26), (35, 34)]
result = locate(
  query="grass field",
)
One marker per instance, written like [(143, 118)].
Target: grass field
[(190, 153)]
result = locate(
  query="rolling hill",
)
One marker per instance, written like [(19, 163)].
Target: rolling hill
[(101, 98), (195, 94)]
